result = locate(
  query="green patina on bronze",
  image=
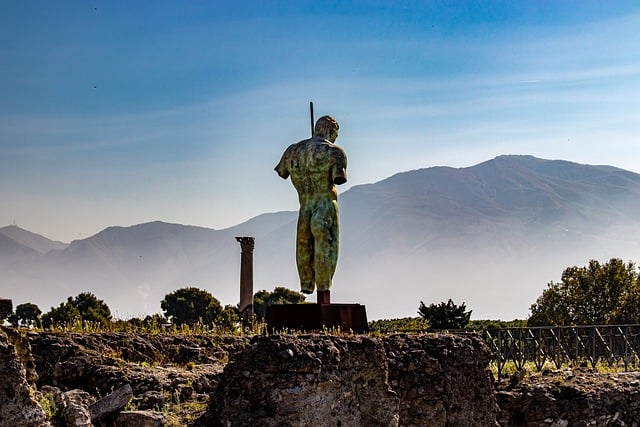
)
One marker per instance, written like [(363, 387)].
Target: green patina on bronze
[(316, 165)]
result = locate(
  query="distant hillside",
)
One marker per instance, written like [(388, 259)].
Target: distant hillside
[(133, 268), (491, 235), (10, 249), (31, 240), (508, 189)]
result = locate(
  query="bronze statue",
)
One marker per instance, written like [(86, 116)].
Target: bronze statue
[(316, 165)]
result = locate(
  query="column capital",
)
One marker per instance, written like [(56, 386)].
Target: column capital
[(246, 243)]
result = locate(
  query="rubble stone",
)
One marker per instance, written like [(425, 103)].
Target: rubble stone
[(140, 419), (577, 396)]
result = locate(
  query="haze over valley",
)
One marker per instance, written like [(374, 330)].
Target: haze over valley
[(491, 235)]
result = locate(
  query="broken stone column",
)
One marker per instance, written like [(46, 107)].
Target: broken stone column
[(111, 403), (246, 277)]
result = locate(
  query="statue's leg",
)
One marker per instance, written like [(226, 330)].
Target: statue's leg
[(325, 229), (304, 252)]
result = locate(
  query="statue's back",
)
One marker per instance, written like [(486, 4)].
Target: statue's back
[(314, 164)]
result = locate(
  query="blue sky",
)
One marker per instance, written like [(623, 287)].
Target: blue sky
[(118, 113)]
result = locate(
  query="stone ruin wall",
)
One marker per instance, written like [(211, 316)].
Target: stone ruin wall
[(273, 380), (441, 379), (407, 380), (400, 379)]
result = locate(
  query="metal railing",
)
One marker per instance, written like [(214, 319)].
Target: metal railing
[(617, 346)]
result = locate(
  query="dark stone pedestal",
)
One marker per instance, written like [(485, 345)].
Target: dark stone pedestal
[(315, 317), (6, 308)]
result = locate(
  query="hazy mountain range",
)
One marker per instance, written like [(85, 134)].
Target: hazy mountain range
[(491, 235)]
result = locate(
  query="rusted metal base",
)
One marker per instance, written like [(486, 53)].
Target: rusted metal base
[(315, 317), (324, 297)]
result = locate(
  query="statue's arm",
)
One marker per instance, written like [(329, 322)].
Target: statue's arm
[(339, 168), (281, 167)]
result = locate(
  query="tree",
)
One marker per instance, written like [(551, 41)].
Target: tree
[(229, 318), (551, 308), (280, 295), (445, 315), (84, 307), (629, 310), (594, 294), (28, 314), (150, 322), (191, 305), (154, 321), (65, 313), (405, 324), (92, 309), (485, 324)]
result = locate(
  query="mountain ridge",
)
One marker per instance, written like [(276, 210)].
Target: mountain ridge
[(429, 234), (31, 240)]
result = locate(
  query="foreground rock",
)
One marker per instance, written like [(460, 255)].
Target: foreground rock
[(164, 374), (400, 379), (572, 397), (101, 362), (267, 380), (17, 385)]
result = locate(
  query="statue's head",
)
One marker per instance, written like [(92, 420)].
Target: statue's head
[(327, 127)]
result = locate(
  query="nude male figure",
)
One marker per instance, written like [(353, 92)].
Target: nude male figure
[(316, 165)]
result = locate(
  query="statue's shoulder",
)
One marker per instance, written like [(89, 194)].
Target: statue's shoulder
[(337, 151), (297, 147)]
